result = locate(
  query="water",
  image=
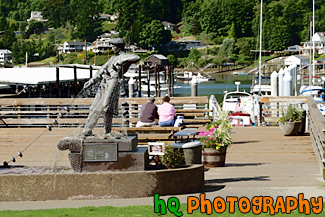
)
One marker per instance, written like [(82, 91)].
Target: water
[(223, 82)]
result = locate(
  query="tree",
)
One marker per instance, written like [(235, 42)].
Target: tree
[(35, 27), (194, 55), (8, 37), (58, 12), (172, 59), (154, 35), (19, 49), (86, 19), (227, 49)]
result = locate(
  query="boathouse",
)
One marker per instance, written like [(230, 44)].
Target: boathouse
[(156, 59), (299, 60)]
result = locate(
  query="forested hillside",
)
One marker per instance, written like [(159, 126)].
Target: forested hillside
[(230, 23)]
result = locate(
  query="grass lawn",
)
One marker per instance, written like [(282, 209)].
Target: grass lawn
[(107, 26), (133, 211), (47, 61)]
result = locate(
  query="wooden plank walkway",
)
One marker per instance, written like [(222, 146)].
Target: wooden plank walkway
[(263, 157), (260, 157)]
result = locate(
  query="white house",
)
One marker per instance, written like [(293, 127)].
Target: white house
[(319, 41), (37, 16), (299, 60), (5, 57), (71, 46), (169, 26), (294, 48), (101, 45)]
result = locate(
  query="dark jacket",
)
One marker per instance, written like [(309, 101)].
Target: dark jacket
[(148, 112)]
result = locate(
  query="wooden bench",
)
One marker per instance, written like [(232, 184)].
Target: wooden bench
[(68, 112)]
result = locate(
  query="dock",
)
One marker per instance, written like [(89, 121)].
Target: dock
[(267, 159)]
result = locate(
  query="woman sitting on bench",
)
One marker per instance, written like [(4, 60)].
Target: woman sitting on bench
[(166, 113)]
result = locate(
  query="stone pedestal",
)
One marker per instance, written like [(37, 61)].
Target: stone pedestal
[(94, 153)]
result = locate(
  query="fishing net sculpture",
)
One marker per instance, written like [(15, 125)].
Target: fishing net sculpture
[(106, 83), (109, 77)]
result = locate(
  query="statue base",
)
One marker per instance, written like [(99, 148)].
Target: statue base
[(94, 153)]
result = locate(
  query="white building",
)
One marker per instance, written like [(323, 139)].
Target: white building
[(5, 58), (71, 46), (319, 41), (37, 16), (299, 60), (294, 48)]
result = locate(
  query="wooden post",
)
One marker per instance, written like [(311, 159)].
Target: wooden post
[(165, 77), (90, 71), (75, 80), (168, 80), (155, 71), (148, 78), (172, 80), (85, 52), (158, 78), (57, 81), (139, 82)]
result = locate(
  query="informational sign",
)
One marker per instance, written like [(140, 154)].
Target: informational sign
[(96, 152), (156, 148)]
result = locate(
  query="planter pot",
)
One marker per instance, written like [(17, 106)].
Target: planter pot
[(214, 158), (303, 123), (291, 128)]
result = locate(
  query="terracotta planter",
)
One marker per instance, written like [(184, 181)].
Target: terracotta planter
[(214, 158), (291, 128)]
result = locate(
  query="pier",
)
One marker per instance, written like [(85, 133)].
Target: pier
[(268, 163), (261, 160)]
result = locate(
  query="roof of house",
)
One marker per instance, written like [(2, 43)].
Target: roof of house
[(158, 56), (301, 57), (166, 23), (6, 51), (76, 43)]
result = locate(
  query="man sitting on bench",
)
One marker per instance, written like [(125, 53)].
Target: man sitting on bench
[(148, 114)]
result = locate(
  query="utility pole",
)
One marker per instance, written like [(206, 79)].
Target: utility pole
[(85, 52)]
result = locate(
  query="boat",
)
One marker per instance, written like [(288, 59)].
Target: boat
[(240, 104), (188, 76), (263, 88), (317, 91)]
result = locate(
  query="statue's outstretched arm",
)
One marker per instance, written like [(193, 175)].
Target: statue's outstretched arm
[(97, 76)]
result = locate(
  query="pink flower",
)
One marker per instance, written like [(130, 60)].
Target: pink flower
[(210, 133), (206, 140), (210, 138)]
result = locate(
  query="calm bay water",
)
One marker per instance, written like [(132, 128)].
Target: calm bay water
[(222, 83)]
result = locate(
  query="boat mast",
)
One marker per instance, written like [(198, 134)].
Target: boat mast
[(313, 42), (260, 54)]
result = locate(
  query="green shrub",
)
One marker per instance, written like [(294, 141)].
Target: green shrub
[(173, 157)]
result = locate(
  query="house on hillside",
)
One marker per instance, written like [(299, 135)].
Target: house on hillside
[(319, 41), (5, 58), (36, 16), (294, 48), (101, 45), (156, 59), (108, 17), (169, 26), (299, 60), (71, 46)]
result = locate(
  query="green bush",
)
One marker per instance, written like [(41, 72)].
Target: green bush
[(173, 157)]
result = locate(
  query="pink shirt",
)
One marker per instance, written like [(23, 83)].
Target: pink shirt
[(166, 112)]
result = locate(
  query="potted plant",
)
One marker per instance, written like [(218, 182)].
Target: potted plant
[(215, 139), (173, 157), (292, 123)]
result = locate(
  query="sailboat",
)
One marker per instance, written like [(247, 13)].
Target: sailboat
[(316, 91)]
